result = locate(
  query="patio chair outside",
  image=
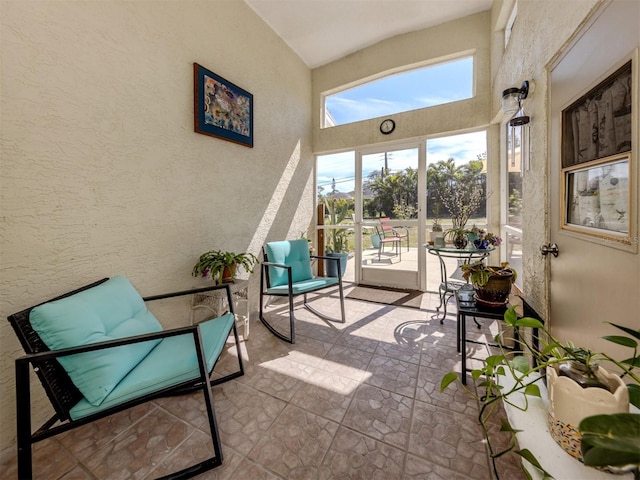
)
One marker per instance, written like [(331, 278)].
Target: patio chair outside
[(401, 232), (286, 272), (388, 237)]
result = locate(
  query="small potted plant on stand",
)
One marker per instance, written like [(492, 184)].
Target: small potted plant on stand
[(458, 237), (220, 266), (492, 284)]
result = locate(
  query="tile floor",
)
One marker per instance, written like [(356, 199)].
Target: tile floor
[(359, 400)]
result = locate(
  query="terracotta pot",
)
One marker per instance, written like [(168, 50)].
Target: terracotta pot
[(229, 273), (570, 403)]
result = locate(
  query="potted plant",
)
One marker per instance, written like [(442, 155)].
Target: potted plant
[(458, 236), (475, 233), (492, 284), (337, 246), (605, 440), (220, 266)]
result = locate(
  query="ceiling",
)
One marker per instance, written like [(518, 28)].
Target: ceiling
[(321, 31)]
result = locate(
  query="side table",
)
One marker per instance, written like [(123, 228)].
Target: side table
[(466, 306), (216, 302)]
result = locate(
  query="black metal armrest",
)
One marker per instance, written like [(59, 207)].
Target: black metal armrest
[(321, 257), (48, 355), (279, 265)]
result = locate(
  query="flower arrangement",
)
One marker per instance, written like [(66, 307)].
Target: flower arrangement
[(485, 240)]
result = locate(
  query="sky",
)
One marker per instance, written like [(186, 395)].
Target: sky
[(419, 88), (404, 91)]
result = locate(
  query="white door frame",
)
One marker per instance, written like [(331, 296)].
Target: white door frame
[(418, 280)]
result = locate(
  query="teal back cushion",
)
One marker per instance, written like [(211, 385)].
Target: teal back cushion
[(294, 253), (109, 311)]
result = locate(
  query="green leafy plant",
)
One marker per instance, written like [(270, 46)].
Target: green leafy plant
[(215, 263), (607, 440), (337, 210), (478, 272)]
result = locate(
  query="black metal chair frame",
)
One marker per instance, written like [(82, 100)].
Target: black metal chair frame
[(63, 394), (265, 284)]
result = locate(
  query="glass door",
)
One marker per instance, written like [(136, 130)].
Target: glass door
[(388, 215)]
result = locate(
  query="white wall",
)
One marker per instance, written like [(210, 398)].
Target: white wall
[(102, 173)]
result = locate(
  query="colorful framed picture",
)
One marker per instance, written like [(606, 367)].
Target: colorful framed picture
[(221, 109)]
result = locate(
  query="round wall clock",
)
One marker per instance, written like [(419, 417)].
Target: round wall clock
[(387, 126)]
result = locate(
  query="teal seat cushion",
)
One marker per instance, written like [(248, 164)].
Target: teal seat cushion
[(304, 286), (170, 363), (109, 311), (294, 253)]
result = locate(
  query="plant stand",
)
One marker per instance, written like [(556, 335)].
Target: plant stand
[(216, 303)]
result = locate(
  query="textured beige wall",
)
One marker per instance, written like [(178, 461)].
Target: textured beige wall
[(542, 28), (470, 34), (102, 173)]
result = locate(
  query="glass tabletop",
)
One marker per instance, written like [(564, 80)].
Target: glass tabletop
[(461, 251)]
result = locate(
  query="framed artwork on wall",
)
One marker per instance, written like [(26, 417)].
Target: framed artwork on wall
[(221, 108)]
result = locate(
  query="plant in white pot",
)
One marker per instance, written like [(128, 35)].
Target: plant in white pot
[(608, 440), (221, 266)]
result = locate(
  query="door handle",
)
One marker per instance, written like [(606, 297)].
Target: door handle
[(549, 248)]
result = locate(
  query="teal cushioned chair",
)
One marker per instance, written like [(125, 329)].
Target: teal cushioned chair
[(286, 272), (98, 350)]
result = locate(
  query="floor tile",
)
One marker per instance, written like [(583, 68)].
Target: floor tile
[(325, 394), (393, 375), (244, 414), (295, 444), (356, 456), (380, 414), (448, 438)]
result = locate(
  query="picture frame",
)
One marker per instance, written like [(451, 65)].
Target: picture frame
[(221, 108), (598, 198), (598, 124)]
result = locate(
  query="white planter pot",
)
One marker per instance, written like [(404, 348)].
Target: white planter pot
[(569, 403)]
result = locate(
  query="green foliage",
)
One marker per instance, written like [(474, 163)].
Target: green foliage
[(515, 202), (395, 192), (337, 210), (611, 440), (459, 190), (478, 272), (212, 264)]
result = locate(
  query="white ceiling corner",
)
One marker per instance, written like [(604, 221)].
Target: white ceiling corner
[(321, 31)]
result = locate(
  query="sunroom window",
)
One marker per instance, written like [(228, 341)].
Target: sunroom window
[(397, 92)]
